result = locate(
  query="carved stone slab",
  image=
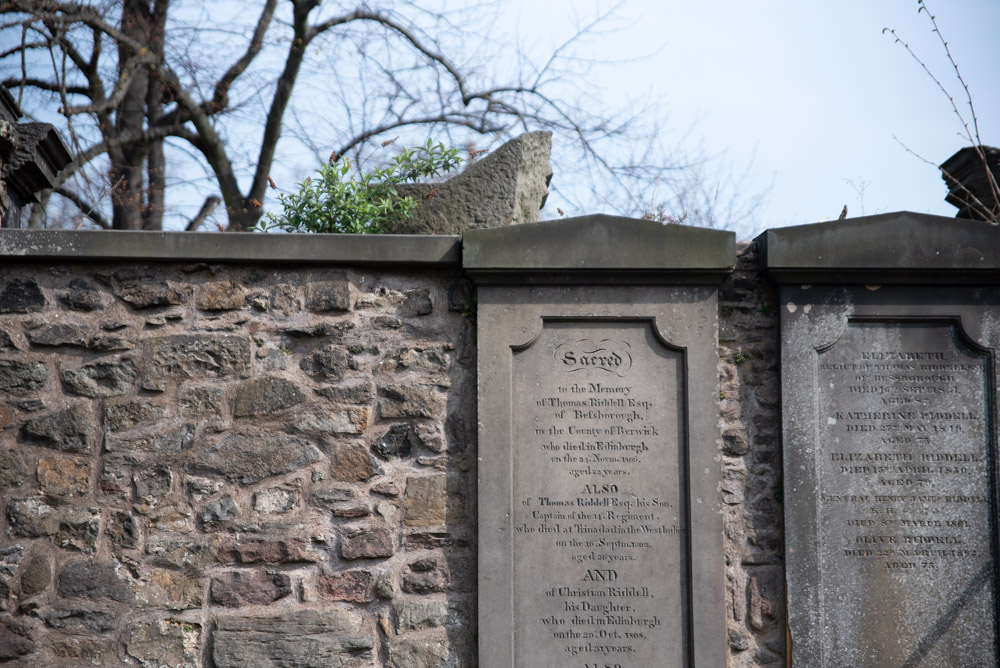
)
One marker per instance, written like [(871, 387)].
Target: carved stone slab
[(890, 474), (600, 517)]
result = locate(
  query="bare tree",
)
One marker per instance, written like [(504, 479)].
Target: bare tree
[(229, 93)]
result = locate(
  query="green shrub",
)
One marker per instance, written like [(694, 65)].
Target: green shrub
[(347, 200)]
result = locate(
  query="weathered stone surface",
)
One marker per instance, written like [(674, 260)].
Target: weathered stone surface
[(81, 297), (144, 288), (328, 498), (190, 356), (352, 463), (152, 484), (330, 420), (431, 359), (328, 362), (425, 576), (36, 575), (274, 500), (15, 640), (80, 620), (352, 511), (170, 518), (169, 441), (397, 442), (262, 551), (12, 469), (239, 588), (116, 475), (70, 430), (380, 297), (303, 639), (417, 302), (69, 528), (219, 512), (170, 589), (203, 401), (18, 376), (354, 586), (123, 530), (182, 553), (6, 342), (419, 652), (164, 642), (220, 296), (508, 186), (421, 613), (62, 476), (86, 651), (361, 392), (427, 502), (248, 458), (58, 334), (368, 543), (386, 488), (129, 414), (21, 295), (95, 580), (263, 396), (398, 401), (325, 296), (199, 487), (101, 379)]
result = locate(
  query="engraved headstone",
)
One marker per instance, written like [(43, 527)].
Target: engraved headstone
[(888, 401), (599, 517)]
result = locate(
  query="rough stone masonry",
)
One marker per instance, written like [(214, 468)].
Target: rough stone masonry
[(207, 465)]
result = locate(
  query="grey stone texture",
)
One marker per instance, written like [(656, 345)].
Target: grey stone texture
[(212, 494), (508, 186), (599, 467), (888, 442)]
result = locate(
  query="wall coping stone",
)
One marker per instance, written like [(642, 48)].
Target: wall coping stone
[(899, 247), (601, 248), (397, 250)]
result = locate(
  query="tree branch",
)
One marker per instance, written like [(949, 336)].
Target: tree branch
[(211, 202), (45, 85), (220, 98), (86, 208)]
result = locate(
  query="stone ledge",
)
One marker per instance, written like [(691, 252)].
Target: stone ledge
[(347, 249), (900, 247), (601, 248)]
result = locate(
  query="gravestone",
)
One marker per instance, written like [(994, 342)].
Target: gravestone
[(888, 342), (600, 530)]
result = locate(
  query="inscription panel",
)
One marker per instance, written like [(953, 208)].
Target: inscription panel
[(904, 498), (598, 510)]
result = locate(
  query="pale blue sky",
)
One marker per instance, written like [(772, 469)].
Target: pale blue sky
[(811, 92)]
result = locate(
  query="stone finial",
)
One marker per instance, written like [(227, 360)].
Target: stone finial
[(506, 187)]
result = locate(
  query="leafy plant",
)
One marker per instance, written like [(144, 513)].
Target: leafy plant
[(349, 200)]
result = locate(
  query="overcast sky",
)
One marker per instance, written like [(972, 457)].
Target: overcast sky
[(811, 93)]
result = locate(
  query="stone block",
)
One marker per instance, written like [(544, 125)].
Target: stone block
[(81, 296), (397, 442), (327, 296), (170, 589), (241, 588), (419, 652), (15, 639), (250, 457), (62, 476), (265, 551), (414, 401), (220, 296), (367, 543), (189, 554), (425, 576), (219, 512), (130, 414), (95, 580), (304, 639), (21, 295), (359, 392), (101, 379), (354, 586), (164, 642), (418, 614), (263, 396), (199, 356), (203, 401), (166, 440), (12, 469), (123, 530), (36, 575), (143, 288), (80, 619), (332, 420), (506, 187), (330, 362), (274, 500), (352, 463), (19, 376), (427, 502)]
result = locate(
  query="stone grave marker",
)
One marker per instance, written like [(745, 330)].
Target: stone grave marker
[(889, 333), (599, 512)]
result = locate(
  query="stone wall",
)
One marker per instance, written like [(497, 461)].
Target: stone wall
[(223, 465), (203, 464)]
